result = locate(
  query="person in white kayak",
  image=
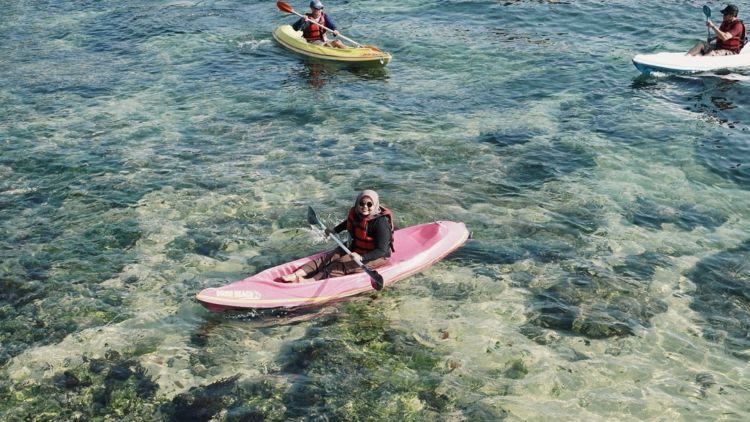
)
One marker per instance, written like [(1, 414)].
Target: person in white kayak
[(312, 26), (730, 36)]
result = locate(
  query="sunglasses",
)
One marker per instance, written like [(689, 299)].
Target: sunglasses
[(365, 204)]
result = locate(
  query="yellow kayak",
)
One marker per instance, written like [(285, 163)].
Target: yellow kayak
[(293, 40)]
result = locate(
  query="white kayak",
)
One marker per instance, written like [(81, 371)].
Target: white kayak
[(682, 63)]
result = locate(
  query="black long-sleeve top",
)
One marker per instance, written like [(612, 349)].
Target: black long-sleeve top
[(380, 230)]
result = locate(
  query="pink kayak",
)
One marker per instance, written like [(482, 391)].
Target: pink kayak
[(417, 247)]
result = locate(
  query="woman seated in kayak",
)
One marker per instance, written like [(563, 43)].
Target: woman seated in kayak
[(370, 227), (312, 26), (730, 36)]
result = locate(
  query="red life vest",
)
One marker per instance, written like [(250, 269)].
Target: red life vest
[(361, 242), (313, 31), (735, 43)]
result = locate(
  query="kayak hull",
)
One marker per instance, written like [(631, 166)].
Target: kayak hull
[(292, 40), (417, 248), (677, 63)]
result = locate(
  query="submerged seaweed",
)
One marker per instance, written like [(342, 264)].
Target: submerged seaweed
[(379, 364), (687, 216), (723, 296), (598, 302), (510, 137), (202, 403), (347, 367), (549, 162), (113, 386)]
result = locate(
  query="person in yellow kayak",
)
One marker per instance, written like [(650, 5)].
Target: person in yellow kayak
[(730, 36), (311, 27), (370, 227)]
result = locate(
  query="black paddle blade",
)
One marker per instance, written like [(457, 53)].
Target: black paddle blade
[(707, 11), (312, 218), (377, 279)]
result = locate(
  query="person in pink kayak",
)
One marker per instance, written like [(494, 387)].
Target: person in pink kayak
[(370, 226), (312, 26), (730, 35)]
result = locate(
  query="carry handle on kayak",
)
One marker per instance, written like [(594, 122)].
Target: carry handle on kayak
[(286, 7), (377, 279)]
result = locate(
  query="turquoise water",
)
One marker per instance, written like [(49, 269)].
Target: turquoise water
[(149, 150)]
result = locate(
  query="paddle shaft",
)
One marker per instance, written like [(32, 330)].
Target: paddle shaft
[(326, 28), (707, 13), (708, 35), (341, 244)]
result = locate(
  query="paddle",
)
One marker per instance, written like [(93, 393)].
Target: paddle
[(286, 7), (377, 279), (707, 12)]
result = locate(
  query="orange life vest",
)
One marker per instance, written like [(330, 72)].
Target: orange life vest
[(361, 242), (313, 31)]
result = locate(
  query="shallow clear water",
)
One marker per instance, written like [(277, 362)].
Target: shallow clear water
[(149, 150)]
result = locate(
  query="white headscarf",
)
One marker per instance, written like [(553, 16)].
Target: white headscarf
[(375, 202)]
